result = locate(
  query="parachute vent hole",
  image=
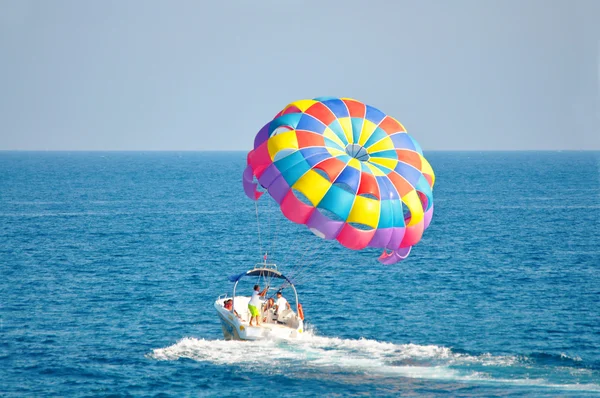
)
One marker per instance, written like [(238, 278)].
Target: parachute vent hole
[(357, 152), (368, 196), (329, 214), (423, 198), (281, 129), (301, 197), (283, 153), (406, 213), (360, 226), (345, 187), (321, 173)]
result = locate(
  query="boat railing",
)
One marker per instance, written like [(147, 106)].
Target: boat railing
[(222, 296), (271, 266)]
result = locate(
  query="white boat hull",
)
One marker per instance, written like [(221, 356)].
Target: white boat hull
[(238, 328)]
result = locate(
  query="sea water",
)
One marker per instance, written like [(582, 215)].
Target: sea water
[(110, 264)]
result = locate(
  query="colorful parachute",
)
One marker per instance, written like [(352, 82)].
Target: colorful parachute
[(347, 171)]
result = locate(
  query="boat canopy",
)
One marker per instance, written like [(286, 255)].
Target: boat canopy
[(264, 271)]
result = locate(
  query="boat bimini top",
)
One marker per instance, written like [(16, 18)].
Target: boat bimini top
[(267, 271)]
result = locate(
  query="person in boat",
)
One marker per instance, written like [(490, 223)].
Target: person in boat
[(229, 306), (281, 303), (270, 303), (254, 305)]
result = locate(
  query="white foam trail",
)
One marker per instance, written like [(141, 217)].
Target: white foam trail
[(368, 356)]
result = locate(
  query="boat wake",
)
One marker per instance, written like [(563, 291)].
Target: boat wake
[(316, 356)]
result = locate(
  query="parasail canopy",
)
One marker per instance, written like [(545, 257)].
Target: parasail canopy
[(347, 171)]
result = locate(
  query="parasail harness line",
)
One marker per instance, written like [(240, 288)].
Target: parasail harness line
[(270, 233), (275, 233), (258, 226), (299, 270)]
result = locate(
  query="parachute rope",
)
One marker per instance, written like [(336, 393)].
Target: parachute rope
[(298, 272), (311, 276), (277, 221), (268, 232), (258, 227)]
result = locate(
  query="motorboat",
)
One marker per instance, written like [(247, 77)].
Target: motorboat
[(282, 324)]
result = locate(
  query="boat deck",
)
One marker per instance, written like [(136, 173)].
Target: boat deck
[(264, 325)]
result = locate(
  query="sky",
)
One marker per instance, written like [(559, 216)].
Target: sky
[(207, 75)]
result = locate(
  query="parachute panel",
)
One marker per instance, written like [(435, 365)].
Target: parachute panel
[(347, 171)]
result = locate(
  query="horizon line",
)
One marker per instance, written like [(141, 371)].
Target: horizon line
[(247, 150)]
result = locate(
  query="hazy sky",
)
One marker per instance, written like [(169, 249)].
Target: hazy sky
[(196, 75)]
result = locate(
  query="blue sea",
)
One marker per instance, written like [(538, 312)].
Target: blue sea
[(110, 263)]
